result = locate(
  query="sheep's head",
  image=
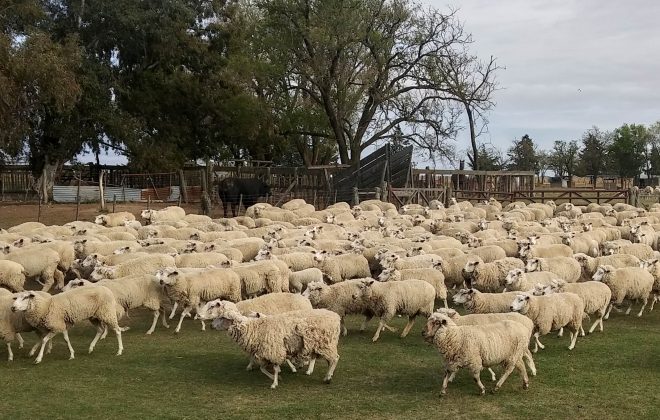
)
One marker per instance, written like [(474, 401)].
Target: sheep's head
[(101, 219), (581, 258), (611, 248), (314, 291), (453, 201), (263, 254), (649, 264), (525, 250), (451, 313), (463, 296), (602, 272), (520, 303), (224, 312), (470, 267), (122, 250), (539, 289), (101, 273), (567, 238), (209, 310), (483, 224), (386, 274), (146, 214), (320, 256), (435, 323), (20, 243), (90, 261), (364, 289), (75, 283), (417, 250), (533, 264), (227, 264), (389, 260), (22, 301), (167, 276), (474, 242), (514, 276)]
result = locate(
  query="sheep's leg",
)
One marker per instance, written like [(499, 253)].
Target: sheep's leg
[(165, 324), (477, 379), (332, 365), (120, 344), (10, 354), (367, 318), (276, 373), (176, 305), (609, 309), (493, 377), (582, 333), (629, 309), (20, 340), (44, 340), (34, 349), (291, 366), (99, 332), (409, 325), (574, 336), (561, 332), (203, 325), (381, 326), (310, 368), (48, 282), (72, 354), (448, 374), (49, 346), (530, 362), (655, 297), (391, 329), (105, 332), (344, 331), (155, 321), (538, 342), (507, 371), (186, 311), (445, 302), (523, 372), (59, 278), (265, 372), (643, 306)]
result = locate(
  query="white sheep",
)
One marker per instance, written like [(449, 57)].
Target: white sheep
[(297, 261), (564, 267), (12, 275), (168, 214), (631, 283), (550, 313), (11, 323), (417, 261), (272, 339), (338, 268), (38, 264), (518, 280), (641, 251), (145, 265), (55, 314), (489, 253), (430, 275), (298, 280), (590, 265), (545, 251), (477, 302), (199, 259), (489, 277), (596, 297), (478, 346), (114, 219), (385, 300)]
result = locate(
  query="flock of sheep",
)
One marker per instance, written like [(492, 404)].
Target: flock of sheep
[(280, 281)]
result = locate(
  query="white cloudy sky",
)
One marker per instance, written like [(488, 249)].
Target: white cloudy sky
[(570, 64)]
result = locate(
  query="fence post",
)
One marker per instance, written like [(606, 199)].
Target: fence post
[(78, 198), (2, 188), (39, 210), (183, 193), (377, 193), (240, 203), (101, 189), (314, 202), (356, 196), (148, 202), (384, 192), (114, 202)]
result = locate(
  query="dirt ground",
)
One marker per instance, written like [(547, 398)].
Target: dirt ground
[(12, 214)]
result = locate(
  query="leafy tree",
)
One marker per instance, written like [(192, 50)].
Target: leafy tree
[(654, 152), (563, 158), (489, 158), (627, 150), (523, 155), (544, 163), (593, 155)]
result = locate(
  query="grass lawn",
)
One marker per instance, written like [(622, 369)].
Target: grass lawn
[(197, 374)]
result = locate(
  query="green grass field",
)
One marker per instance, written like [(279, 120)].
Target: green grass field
[(198, 375)]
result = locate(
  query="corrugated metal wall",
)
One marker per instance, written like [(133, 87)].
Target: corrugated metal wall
[(67, 194)]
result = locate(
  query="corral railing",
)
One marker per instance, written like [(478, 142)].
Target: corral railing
[(575, 196), (423, 196)]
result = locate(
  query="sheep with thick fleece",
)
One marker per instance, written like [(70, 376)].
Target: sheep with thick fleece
[(256, 280), (11, 323), (545, 251), (338, 298), (653, 267), (483, 319), (385, 300), (590, 265), (452, 268), (114, 219), (596, 297), (52, 315), (12, 275), (338, 268), (131, 293), (488, 253), (280, 283), (39, 264), (417, 261), (189, 289), (273, 339), (631, 283), (168, 214), (84, 247), (297, 261), (518, 280), (477, 302), (478, 346), (565, 268), (199, 259), (249, 247), (641, 251), (489, 277), (581, 244), (145, 265), (298, 280), (551, 312), (430, 275)]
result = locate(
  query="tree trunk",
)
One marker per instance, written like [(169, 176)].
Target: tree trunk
[(47, 179), (473, 137)]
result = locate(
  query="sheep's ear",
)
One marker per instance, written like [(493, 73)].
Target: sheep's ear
[(370, 282), (31, 294), (476, 263), (443, 322), (470, 291), (173, 273), (526, 297)]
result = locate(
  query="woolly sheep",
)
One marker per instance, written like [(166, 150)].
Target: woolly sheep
[(85, 247), (590, 265), (39, 264), (430, 275), (478, 346), (145, 265), (257, 279), (551, 312), (271, 340), (489, 253), (518, 280), (581, 244), (54, 314), (489, 277), (199, 259), (11, 323), (545, 251), (114, 219), (564, 267), (477, 302), (12, 275), (298, 280), (342, 267), (385, 300), (168, 214), (418, 261), (631, 283), (641, 251), (297, 261)]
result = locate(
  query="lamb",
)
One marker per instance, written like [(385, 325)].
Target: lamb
[(551, 312), (11, 323), (199, 259), (518, 280), (52, 315), (271, 340), (168, 214), (410, 297), (189, 289), (632, 283), (489, 277), (478, 346), (477, 302), (298, 280), (590, 265), (40, 264), (12, 275), (134, 267), (338, 298), (114, 219), (596, 297), (430, 275), (564, 267), (131, 293), (342, 267)]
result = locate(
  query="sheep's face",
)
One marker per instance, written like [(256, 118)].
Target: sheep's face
[(101, 273), (483, 224), (263, 254), (435, 322), (539, 290), (364, 290), (90, 261), (22, 301), (73, 284), (567, 240), (314, 291), (453, 201), (146, 214), (101, 220), (525, 250), (470, 266), (520, 304), (532, 265), (320, 256), (581, 259), (601, 272), (587, 227), (122, 250), (19, 243), (514, 276), (386, 274), (209, 310), (167, 276), (610, 248), (638, 238), (463, 296)]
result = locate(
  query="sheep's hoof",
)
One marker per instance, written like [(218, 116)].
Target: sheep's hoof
[(443, 393), (525, 385), (327, 380), (36, 362), (273, 386), (72, 357)]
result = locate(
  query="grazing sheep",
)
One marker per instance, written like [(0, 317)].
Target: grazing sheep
[(114, 219), (385, 300), (52, 315), (298, 280), (518, 280), (430, 275), (478, 346), (12, 275), (631, 283), (272, 339), (596, 297), (342, 267), (168, 214), (551, 312), (489, 277), (564, 267), (477, 302)]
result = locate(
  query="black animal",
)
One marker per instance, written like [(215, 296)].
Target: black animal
[(231, 189)]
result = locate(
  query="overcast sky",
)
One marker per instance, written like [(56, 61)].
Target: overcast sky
[(570, 64)]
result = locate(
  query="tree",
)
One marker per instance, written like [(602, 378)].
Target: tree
[(627, 150), (489, 158), (593, 155), (523, 155), (374, 69), (563, 158), (544, 163), (654, 146)]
